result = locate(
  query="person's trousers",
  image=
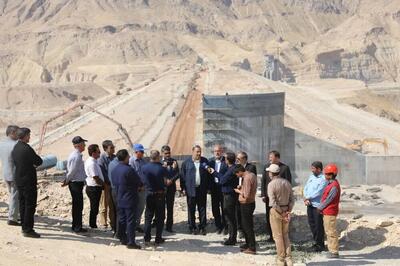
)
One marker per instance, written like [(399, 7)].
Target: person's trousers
[(199, 201), (27, 206), (155, 206), (127, 225), (140, 206), (247, 210), (280, 232), (239, 217), (267, 212), (316, 222), (217, 206), (94, 194), (331, 233), (230, 204), (115, 198), (13, 202), (107, 211), (170, 199), (76, 190)]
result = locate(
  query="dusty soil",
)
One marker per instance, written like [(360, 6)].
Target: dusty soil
[(362, 238)]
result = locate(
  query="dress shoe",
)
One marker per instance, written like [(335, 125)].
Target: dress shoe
[(249, 251), (31, 234), (159, 241), (80, 230), (133, 246), (139, 230), (13, 223), (203, 231), (169, 230), (219, 231), (193, 231), (229, 242)]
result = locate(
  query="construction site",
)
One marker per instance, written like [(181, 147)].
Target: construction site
[(301, 83)]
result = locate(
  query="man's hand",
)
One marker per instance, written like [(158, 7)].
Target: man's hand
[(168, 182), (307, 202), (165, 164), (286, 216), (183, 193), (237, 190), (210, 170), (64, 183), (174, 165), (239, 186), (140, 189)]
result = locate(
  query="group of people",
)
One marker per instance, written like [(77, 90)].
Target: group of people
[(121, 188)]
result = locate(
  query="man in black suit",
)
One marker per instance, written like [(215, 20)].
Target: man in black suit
[(195, 182), (218, 163), (26, 160), (242, 159), (274, 157)]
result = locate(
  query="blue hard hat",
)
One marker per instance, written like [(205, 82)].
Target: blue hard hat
[(138, 147)]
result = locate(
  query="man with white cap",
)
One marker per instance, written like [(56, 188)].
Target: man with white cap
[(137, 162), (281, 201)]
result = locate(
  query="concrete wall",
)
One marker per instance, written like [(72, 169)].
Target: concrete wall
[(382, 170), (253, 123), (300, 150)]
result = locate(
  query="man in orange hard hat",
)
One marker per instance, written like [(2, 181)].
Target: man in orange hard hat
[(330, 208)]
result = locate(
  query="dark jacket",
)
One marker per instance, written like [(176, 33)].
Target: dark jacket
[(26, 160), (104, 161), (284, 173), (153, 177), (251, 168), (222, 170), (173, 174), (126, 183), (229, 181), (188, 177)]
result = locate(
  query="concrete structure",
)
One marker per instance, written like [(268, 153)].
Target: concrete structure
[(271, 70), (300, 150), (253, 123)]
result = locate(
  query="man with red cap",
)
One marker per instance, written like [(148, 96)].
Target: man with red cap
[(330, 208)]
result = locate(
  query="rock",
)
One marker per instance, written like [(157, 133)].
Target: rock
[(374, 196), (374, 189), (384, 223), (39, 212), (112, 244), (357, 216), (8, 243)]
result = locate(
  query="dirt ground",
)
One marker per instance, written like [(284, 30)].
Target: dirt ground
[(368, 235)]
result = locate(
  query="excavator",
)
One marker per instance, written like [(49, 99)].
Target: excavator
[(357, 145), (121, 130)]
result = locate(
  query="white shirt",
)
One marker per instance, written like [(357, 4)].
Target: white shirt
[(92, 169), (6, 147), (217, 165), (197, 165)]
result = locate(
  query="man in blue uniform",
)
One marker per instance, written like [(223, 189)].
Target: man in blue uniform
[(126, 182), (154, 178)]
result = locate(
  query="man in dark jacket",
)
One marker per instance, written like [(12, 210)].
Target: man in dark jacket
[(171, 165), (26, 160), (126, 182), (218, 163), (242, 159), (229, 182), (154, 178), (274, 157), (195, 182)]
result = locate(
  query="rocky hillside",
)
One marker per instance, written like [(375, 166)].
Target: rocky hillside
[(63, 42)]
